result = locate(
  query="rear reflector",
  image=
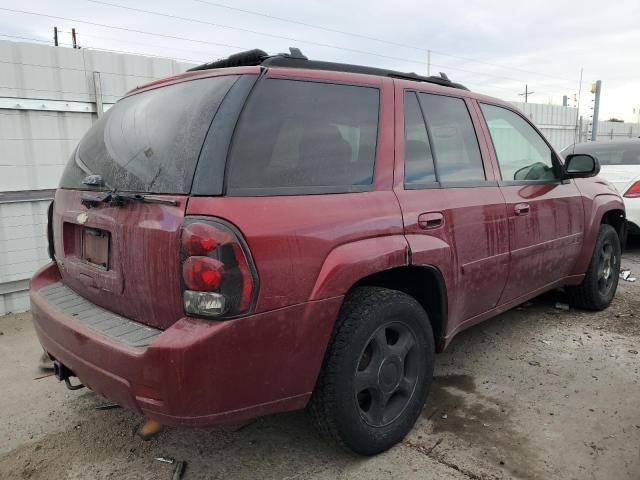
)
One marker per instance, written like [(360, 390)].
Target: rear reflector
[(633, 191)]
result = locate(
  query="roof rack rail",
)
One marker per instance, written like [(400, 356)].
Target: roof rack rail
[(295, 59)]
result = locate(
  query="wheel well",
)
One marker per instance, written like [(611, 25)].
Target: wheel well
[(616, 219), (425, 284)]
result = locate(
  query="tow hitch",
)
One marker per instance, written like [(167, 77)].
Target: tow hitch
[(63, 373)]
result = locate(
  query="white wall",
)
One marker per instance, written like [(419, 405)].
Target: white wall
[(47, 103)]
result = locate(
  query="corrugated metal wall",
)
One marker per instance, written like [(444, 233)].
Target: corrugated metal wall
[(557, 123), (47, 102), (614, 131)]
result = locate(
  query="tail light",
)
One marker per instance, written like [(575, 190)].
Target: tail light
[(218, 274), (633, 191)]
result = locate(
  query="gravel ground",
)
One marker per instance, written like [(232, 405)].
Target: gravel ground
[(536, 393)]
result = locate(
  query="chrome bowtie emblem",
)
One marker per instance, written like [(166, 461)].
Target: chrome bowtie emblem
[(82, 218)]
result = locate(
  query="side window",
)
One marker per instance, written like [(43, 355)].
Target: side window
[(521, 151), (418, 160), (453, 138), (295, 135)]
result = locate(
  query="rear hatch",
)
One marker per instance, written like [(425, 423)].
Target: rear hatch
[(123, 196)]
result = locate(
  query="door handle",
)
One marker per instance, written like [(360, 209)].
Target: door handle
[(430, 220), (522, 209)]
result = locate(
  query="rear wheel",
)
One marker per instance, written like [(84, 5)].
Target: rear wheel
[(377, 371), (601, 281)]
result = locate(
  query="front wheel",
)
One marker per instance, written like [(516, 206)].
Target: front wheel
[(377, 371), (599, 286)]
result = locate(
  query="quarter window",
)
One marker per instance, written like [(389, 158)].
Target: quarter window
[(300, 135), (521, 151), (453, 138), (418, 160)]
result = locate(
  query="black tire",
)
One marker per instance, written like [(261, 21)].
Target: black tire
[(369, 393), (601, 281)]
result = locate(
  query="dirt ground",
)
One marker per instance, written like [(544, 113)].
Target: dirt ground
[(536, 393)]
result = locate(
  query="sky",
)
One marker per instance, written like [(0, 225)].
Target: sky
[(495, 47)]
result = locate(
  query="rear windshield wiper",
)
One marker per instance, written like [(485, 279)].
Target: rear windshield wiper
[(117, 199)]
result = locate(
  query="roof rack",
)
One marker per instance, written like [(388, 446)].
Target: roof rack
[(295, 59)]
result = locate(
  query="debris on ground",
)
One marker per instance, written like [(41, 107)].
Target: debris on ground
[(148, 429), (626, 276), (561, 306), (165, 460), (108, 406), (444, 416), (524, 305), (179, 471), (534, 363), (634, 352), (546, 342)]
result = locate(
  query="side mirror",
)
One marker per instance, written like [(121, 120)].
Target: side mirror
[(581, 165)]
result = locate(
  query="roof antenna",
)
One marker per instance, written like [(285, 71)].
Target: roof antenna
[(296, 53), (444, 76)]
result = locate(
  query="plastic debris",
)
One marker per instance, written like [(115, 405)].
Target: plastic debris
[(626, 276), (165, 460), (561, 306)]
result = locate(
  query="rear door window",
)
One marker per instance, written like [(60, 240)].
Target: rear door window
[(304, 137), (150, 141), (453, 139), (418, 160)]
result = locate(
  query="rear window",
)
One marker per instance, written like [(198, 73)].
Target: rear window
[(149, 142), (301, 137)]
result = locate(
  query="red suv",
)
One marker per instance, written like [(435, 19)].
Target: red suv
[(266, 233)]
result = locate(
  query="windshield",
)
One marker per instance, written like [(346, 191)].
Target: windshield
[(149, 142), (621, 153)]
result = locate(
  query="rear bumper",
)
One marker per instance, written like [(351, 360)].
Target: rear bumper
[(197, 372)]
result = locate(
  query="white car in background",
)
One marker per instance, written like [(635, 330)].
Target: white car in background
[(620, 165)]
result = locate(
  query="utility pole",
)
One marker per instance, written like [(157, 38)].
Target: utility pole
[(596, 88), (74, 40), (428, 63), (578, 110), (55, 36), (526, 93)]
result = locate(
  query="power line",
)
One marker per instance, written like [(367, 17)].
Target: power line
[(255, 32), (175, 37), (367, 37), (310, 25), (217, 25), (496, 65), (132, 30), (154, 45), (31, 39)]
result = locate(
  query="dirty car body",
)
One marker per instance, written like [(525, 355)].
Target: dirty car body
[(210, 227)]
